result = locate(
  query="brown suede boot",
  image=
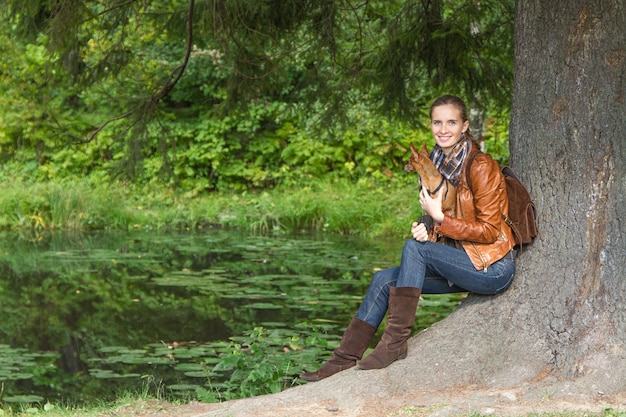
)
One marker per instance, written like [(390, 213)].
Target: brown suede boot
[(356, 339), (393, 344)]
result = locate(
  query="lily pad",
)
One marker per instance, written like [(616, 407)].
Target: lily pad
[(23, 399)]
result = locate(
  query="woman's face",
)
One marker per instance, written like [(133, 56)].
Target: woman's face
[(447, 126)]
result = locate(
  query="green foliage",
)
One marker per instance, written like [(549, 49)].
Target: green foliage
[(337, 207), (258, 364), (443, 46), (497, 137), (67, 204), (610, 412), (297, 100), (340, 206)]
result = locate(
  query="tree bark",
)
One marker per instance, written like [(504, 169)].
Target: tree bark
[(568, 143)]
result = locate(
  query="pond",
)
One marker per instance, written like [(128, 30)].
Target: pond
[(87, 316)]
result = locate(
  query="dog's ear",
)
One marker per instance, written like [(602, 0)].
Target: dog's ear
[(414, 151), (424, 149)]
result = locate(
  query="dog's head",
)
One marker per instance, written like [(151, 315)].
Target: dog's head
[(431, 178)]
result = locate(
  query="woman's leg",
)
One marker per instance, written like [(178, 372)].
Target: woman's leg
[(423, 262), (393, 343), (375, 302), (419, 260), (356, 339), (423, 266), (358, 336)]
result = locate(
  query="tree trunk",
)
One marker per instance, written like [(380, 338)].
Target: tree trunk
[(568, 143)]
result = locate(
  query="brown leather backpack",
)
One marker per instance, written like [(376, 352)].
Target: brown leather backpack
[(522, 216)]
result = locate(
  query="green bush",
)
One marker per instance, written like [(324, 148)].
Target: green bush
[(260, 363)]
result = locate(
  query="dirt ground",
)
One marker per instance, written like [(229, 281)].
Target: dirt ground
[(468, 401)]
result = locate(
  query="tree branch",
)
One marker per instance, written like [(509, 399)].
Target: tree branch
[(167, 87)]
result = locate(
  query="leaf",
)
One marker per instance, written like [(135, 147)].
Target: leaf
[(23, 399)]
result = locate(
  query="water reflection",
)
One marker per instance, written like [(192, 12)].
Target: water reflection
[(85, 315)]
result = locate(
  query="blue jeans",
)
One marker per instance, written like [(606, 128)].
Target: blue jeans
[(436, 269)]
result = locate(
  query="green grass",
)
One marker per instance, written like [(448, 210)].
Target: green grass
[(126, 405), (325, 206)]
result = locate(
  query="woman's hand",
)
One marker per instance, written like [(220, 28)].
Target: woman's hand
[(432, 206), (419, 232)]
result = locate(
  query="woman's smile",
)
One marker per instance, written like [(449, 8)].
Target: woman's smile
[(447, 126)]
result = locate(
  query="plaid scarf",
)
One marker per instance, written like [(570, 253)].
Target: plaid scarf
[(450, 165)]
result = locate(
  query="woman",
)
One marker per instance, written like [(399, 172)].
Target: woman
[(476, 255)]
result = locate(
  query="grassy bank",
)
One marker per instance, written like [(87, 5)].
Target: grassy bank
[(327, 206)]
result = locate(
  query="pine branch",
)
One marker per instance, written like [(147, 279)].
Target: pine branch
[(167, 87)]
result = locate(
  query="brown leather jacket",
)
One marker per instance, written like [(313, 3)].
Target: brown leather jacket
[(478, 224)]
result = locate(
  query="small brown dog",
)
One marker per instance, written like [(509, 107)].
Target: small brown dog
[(431, 179)]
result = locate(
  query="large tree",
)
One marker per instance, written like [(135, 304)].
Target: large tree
[(567, 139)]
